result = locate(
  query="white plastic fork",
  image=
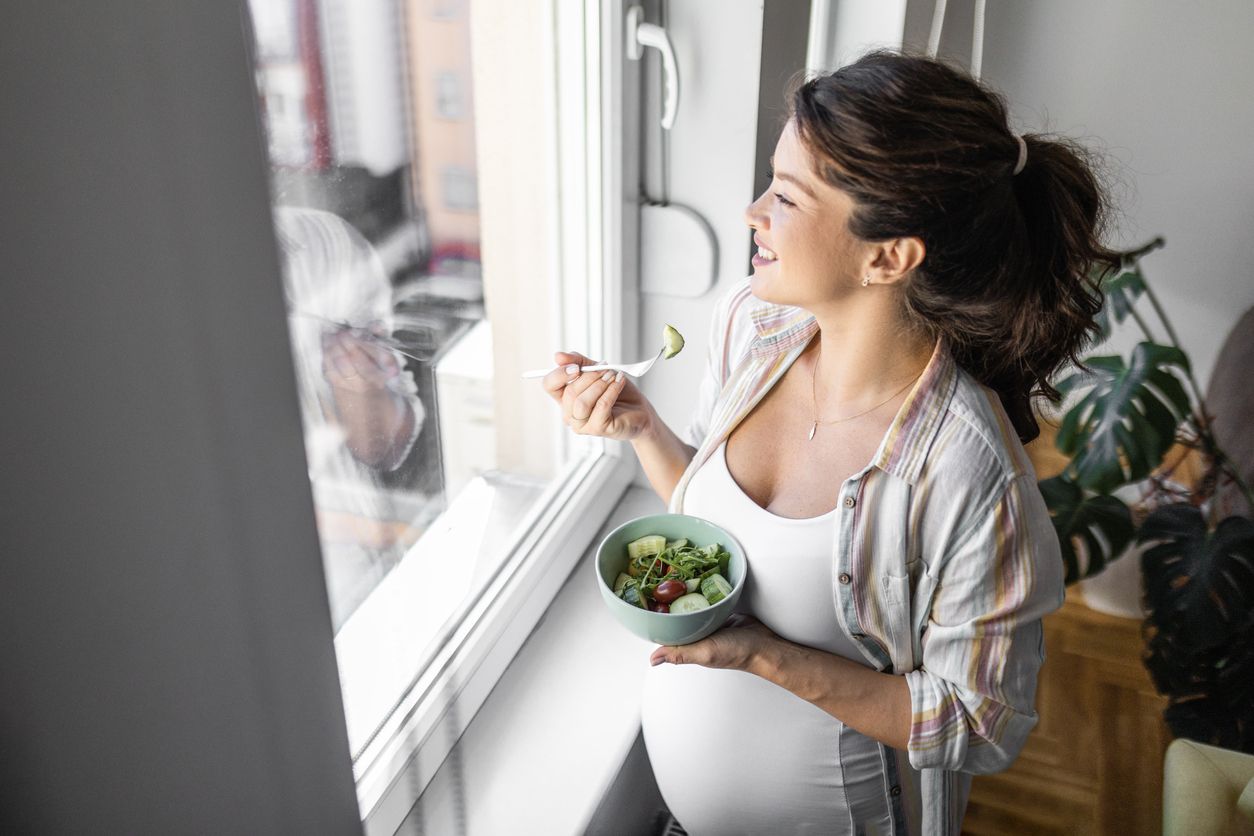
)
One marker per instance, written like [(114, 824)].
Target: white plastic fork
[(630, 369)]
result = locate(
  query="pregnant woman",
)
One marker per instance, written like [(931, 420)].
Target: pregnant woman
[(921, 272)]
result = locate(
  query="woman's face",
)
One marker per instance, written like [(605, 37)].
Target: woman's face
[(805, 254)]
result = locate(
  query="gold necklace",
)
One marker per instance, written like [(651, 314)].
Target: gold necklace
[(814, 398)]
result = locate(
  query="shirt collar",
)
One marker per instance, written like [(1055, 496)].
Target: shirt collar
[(779, 327), (909, 438)]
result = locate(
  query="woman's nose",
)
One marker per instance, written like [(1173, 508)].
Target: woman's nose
[(754, 216)]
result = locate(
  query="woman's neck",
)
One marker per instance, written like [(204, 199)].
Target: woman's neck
[(866, 357)]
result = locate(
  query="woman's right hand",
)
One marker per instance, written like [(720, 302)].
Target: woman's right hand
[(592, 405)]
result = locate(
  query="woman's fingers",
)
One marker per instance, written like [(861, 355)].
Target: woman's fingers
[(584, 394), (337, 359), (378, 356), (565, 357), (556, 381), (574, 389), (589, 391), (587, 398), (364, 363), (603, 409), (567, 371)]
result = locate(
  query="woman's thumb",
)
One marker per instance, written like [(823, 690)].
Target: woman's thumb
[(565, 357)]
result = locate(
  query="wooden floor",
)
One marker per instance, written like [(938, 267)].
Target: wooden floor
[(1093, 765)]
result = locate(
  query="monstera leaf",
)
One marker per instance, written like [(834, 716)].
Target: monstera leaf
[(1092, 530), (1121, 290), (1198, 583), (1199, 586), (1127, 419)]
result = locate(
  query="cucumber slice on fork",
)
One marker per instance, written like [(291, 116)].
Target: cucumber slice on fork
[(673, 340)]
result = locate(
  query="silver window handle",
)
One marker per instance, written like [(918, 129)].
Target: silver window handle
[(640, 35)]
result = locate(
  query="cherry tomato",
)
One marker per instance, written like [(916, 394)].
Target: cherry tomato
[(668, 591), (658, 606)]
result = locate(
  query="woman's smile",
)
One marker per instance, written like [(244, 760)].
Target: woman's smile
[(764, 256)]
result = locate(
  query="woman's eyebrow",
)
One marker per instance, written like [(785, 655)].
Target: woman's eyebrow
[(788, 178)]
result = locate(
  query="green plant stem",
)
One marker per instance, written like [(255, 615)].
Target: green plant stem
[(1144, 325), (1144, 250), (1175, 341), (1203, 417), (1135, 256)]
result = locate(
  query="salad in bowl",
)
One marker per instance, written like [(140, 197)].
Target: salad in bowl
[(671, 578)]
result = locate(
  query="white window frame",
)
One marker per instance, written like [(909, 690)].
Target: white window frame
[(584, 50)]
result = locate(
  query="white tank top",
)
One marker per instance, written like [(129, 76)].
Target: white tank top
[(756, 758), (790, 560)]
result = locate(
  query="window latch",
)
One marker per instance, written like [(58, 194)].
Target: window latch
[(640, 35)]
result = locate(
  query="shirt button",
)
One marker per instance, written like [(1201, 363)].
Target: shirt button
[(844, 578), (895, 791), (850, 502)]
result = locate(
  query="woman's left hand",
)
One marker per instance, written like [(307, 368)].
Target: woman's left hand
[(354, 365), (733, 646)]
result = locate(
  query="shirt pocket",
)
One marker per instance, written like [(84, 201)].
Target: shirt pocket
[(897, 618), (908, 600)]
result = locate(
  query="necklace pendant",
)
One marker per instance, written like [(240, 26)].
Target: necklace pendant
[(813, 428)]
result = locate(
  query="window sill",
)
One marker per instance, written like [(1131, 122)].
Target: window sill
[(546, 746), (389, 627)]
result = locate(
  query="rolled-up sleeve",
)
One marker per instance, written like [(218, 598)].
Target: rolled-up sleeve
[(972, 699)]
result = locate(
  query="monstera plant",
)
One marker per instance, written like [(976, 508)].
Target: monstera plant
[(1125, 416)]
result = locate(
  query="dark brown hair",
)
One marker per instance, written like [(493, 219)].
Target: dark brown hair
[(1009, 277)]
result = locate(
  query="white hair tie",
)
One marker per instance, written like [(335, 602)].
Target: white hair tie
[(1023, 155)]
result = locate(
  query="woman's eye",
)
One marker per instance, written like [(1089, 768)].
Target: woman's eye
[(783, 199)]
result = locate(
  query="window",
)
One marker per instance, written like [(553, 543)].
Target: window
[(448, 95), (448, 496)]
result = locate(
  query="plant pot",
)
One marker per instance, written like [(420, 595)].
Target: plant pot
[(1119, 589)]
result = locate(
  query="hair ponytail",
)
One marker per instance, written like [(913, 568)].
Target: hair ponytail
[(1010, 275), (1052, 295)]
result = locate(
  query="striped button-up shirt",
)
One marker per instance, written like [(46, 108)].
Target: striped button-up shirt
[(944, 559)]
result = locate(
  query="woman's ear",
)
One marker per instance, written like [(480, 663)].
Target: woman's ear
[(895, 258)]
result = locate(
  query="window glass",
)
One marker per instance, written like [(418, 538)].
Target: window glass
[(414, 461)]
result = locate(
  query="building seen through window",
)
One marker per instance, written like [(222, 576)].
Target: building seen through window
[(369, 116)]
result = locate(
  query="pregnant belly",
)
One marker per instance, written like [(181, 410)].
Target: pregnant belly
[(733, 753)]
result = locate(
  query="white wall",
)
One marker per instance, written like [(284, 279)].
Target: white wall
[(1162, 89), (712, 146), (841, 30)]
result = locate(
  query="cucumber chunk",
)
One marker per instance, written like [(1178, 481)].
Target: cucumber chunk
[(620, 582), (715, 588), (650, 544), (633, 596), (674, 342), (692, 602), (693, 584), (677, 544)]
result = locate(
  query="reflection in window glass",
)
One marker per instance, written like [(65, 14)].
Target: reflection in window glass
[(448, 95), (369, 114)]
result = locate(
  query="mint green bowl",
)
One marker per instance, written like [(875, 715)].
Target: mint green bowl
[(667, 628)]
